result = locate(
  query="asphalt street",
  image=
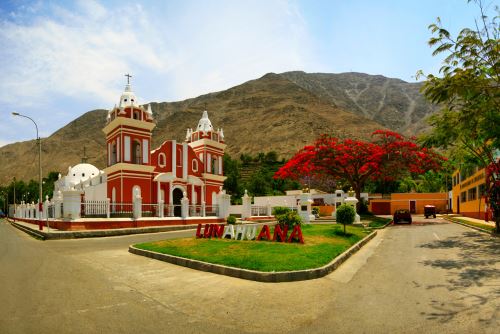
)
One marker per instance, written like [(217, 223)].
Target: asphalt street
[(433, 278)]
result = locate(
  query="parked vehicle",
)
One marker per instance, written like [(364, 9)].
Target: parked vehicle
[(402, 216), (429, 210), (2, 215)]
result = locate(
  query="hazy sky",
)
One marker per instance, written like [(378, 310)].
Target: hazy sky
[(60, 59)]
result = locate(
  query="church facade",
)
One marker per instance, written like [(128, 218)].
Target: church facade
[(192, 169)]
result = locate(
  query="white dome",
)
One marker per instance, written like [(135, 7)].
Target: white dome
[(128, 98), (204, 124), (80, 172)]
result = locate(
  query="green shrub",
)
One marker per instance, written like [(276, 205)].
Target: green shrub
[(345, 215), (290, 219), (315, 211), (279, 210), (231, 220)]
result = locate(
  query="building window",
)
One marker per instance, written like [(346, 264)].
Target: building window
[(145, 151), (215, 165), (463, 196), (162, 160), (113, 153), (472, 196), (482, 190), (136, 152), (126, 146), (194, 165), (137, 115)]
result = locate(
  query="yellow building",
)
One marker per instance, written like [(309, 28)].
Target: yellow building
[(468, 193)]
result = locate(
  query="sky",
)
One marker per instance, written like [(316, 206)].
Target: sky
[(60, 59)]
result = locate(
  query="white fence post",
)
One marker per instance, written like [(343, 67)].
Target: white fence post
[(203, 209), (137, 206), (224, 201), (108, 208), (246, 209), (160, 209)]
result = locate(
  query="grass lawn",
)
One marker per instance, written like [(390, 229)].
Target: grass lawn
[(375, 221), (322, 244)]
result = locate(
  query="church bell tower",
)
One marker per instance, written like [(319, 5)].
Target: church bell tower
[(128, 141)]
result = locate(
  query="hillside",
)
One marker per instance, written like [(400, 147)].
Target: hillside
[(280, 112), (394, 103)]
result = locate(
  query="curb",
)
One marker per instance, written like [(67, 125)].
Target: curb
[(253, 275), (470, 226), (99, 233), (33, 233)]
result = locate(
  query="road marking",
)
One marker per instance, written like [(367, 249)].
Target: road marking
[(436, 236)]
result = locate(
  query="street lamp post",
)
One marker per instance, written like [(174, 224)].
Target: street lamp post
[(39, 140), (15, 208)]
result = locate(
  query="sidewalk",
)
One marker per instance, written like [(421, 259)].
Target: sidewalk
[(58, 234), (473, 220)]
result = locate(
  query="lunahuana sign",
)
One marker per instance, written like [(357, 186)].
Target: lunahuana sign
[(248, 232)]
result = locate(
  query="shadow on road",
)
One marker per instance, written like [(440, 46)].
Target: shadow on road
[(473, 275)]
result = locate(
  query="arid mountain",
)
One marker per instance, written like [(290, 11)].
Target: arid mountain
[(394, 103), (280, 112)]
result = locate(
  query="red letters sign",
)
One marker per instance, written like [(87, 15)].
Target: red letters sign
[(280, 235)]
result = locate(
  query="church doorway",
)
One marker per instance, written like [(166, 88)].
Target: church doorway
[(177, 196)]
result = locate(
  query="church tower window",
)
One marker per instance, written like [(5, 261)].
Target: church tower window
[(137, 114), (113, 153), (136, 152)]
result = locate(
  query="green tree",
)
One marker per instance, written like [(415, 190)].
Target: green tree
[(431, 182), (232, 184), (407, 185), (246, 159), (468, 92), (271, 157), (259, 184), (345, 215)]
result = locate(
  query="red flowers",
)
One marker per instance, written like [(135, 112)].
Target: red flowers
[(389, 155)]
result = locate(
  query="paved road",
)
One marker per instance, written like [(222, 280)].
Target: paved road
[(433, 278)]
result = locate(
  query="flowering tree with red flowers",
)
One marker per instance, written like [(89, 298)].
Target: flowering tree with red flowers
[(387, 156)]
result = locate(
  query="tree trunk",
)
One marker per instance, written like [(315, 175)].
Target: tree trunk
[(358, 196)]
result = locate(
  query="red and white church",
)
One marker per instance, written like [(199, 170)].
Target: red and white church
[(192, 169)]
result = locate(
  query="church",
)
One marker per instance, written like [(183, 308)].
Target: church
[(193, 168)]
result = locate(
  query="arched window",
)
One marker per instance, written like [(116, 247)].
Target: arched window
[(113, 153), (194, 165), (136, 152), (137, 114), (179, 157), (215, 165), (162, 160)]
